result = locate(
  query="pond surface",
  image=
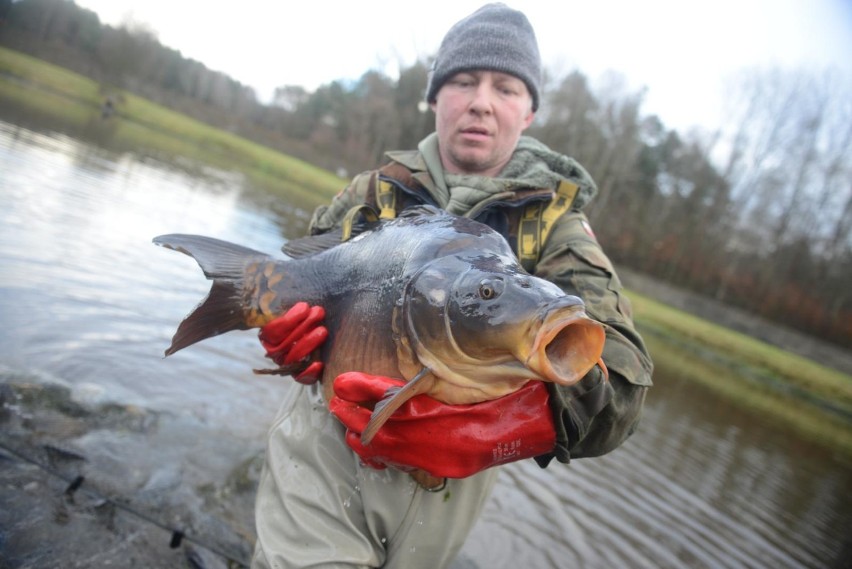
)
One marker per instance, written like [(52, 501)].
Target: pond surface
[(87, 302)]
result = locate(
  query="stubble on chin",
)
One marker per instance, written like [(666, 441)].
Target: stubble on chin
[(469, 161)]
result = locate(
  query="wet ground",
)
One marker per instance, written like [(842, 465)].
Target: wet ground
[(80, 486)]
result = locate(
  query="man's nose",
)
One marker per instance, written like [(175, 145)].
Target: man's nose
[(482, 99)]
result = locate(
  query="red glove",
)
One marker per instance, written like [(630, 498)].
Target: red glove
[(453, 441), (290, 339)]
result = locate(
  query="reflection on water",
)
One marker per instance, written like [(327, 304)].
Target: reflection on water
[(87, 301), (87, 298), (700, 485)]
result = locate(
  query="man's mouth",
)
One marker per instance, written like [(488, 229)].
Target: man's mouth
[(475, 130), (475, 133)]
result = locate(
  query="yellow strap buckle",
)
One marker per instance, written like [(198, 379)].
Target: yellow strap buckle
[(386, 197), (537, 221), (368, 213)]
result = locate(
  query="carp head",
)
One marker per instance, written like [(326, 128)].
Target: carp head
[(485, 327)]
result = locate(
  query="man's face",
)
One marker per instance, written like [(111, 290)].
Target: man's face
[(479, 117)]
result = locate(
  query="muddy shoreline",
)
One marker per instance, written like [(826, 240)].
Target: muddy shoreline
[(109, 484), (98, 485)]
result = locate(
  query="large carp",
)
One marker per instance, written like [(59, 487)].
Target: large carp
[(429, 297)]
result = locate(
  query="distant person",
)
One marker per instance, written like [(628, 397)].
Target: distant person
[(108, 108), (322, 500)]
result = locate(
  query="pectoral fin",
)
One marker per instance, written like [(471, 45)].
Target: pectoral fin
[(393, 400)]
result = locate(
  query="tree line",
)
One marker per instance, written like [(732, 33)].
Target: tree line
[(756, 213)]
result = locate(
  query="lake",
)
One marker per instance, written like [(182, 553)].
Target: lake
[(89, 303)]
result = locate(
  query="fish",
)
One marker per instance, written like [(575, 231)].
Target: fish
[(432, 298)]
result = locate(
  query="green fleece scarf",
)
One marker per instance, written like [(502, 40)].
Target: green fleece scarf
[(533, 165)]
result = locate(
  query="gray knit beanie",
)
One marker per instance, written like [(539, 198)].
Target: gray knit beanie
[(494, 38)]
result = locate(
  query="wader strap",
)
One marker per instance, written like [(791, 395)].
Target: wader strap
[(386, 198), (367, 211), (537, 220)]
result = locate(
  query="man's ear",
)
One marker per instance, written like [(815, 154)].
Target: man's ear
[(529, 119)]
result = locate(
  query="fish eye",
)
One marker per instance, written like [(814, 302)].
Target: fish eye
[(490, 288)]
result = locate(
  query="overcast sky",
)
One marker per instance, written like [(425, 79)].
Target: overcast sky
[(680, 50)]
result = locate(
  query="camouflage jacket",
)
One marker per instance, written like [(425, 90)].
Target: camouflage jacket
[(594, 416)]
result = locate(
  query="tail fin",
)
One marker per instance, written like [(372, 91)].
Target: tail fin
[(222, 311)]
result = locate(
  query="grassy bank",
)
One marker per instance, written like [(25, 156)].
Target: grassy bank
[(813, 399), (75, 102)]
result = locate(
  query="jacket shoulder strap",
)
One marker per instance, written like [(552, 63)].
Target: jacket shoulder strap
[(537, 221), (385, 193)]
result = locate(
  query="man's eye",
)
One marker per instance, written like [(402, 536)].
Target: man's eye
[(462, 81)]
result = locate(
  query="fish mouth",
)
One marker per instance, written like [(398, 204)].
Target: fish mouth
[(566, 346)]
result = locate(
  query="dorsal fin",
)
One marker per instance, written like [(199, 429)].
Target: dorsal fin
[(307, 246), (420, 210)]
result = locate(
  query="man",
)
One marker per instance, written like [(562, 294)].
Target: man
[(324, 498)]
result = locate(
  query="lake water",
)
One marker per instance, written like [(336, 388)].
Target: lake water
[(87, 301)]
